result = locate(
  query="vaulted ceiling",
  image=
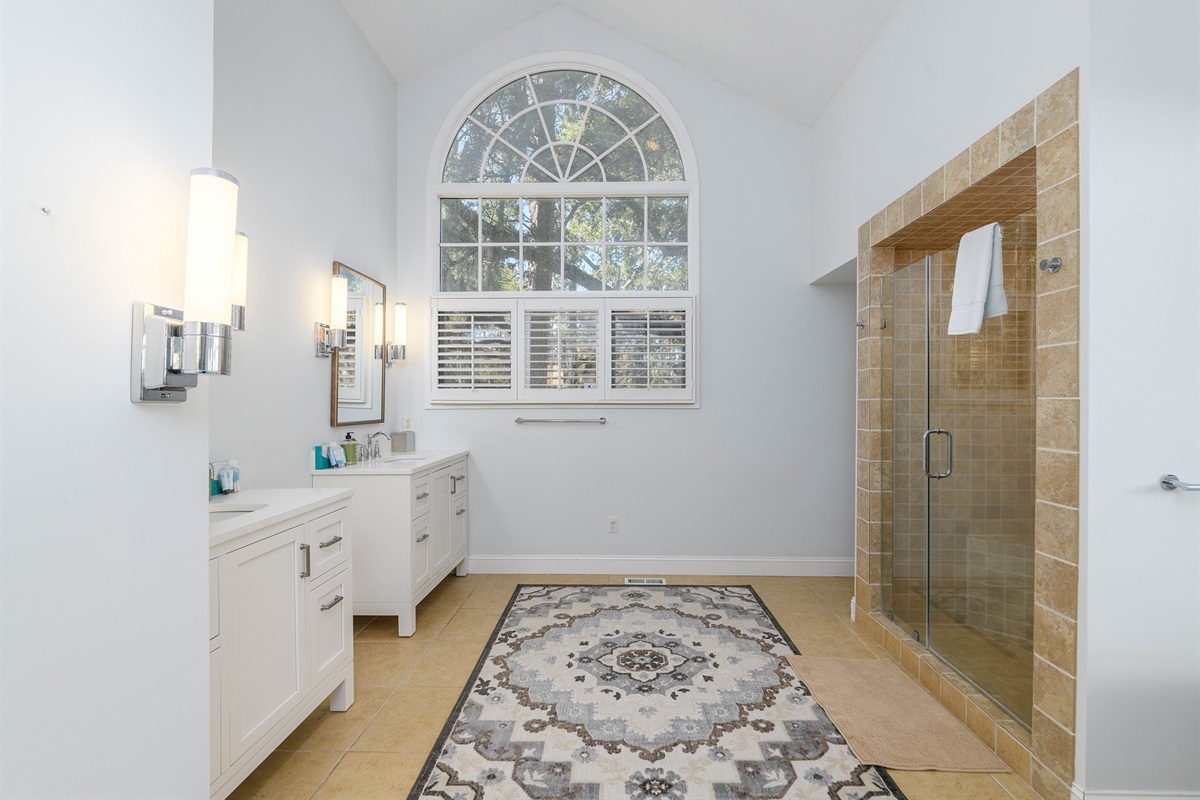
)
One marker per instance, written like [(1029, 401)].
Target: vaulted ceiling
[(789, 55)]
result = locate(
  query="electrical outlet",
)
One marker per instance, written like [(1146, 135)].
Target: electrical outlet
[(612, 524), (407, 423)]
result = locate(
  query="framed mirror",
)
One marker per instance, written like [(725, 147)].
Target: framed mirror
[(357, 396)]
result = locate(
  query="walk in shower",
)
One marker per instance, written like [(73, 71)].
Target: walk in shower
[(958, 547)]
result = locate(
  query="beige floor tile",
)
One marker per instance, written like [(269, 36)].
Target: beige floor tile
[(489, 596), (839, 651), (409, 721), (445, 663), (286, 775), (817, 628), (385, 663), (790, 600), (377, 776), (337, 730), (471, 625), (361, 622), (948, 785)]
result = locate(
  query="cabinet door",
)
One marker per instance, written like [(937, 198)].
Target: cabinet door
[(214, 714), (420, 551), (458, 525), (439, 533), (329, 609), (264, 663), (328, 537)]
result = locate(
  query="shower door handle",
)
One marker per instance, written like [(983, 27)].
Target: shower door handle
[(937, 476)]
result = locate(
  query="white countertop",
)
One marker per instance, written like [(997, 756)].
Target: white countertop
[(397, 463), (269, 506)]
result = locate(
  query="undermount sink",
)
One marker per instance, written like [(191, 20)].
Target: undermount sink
[(404, 462), (230, 511)]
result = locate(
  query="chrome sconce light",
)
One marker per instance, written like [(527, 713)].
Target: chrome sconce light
[(396, 350), (333, 336), (171, 347)]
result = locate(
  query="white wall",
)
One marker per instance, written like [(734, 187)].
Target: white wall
[(760, 472), (1140, 650), (940, 74), (305, 117), (106, 109)]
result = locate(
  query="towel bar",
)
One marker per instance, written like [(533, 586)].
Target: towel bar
[(597, 421)]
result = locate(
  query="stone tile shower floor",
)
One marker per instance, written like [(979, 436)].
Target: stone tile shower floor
[(406, 688)]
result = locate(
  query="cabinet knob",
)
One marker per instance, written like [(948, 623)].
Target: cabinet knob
[(422, 537)]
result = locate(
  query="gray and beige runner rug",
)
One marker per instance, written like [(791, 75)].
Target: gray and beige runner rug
[(637, 693)]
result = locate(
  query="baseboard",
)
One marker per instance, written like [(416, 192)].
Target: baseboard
[(662, 565), (1079, 793)]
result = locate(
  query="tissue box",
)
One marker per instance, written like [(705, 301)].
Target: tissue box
[(404, 442), (320, 461)]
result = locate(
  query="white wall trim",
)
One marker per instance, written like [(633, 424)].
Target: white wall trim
[(1079, 794), (667, 565)]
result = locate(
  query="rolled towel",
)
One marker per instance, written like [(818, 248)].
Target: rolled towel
[(978, 280), (333, 451)]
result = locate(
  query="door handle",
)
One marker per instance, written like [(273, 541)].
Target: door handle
[(1172, 482), (937, 476)]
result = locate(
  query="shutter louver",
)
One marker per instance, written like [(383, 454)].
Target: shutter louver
[(649, 349), (561, 349), (474, 350)]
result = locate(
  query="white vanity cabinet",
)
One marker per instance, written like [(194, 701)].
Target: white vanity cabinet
[(281, 640), (410, 528)]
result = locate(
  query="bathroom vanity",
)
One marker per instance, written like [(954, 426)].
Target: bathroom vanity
[(280, 621), (410, 528)]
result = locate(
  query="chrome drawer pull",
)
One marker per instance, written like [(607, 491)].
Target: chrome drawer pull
[(422, 537), (331, 542), (307, 550), (422, 495), (337, 598), (460, 512)]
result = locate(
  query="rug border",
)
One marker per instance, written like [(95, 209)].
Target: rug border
[(418, 786)]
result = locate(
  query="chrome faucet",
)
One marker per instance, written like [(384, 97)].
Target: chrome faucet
[(373, 444)]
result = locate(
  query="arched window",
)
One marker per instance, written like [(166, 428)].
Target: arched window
[(566, 264)]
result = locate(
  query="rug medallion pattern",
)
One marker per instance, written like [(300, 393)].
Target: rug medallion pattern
[(638, 693)]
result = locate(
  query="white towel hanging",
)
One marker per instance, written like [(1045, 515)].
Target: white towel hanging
[(978, 280)]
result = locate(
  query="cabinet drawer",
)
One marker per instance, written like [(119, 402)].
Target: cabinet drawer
[(214, 607), (458, 524), (329, 539), (331, 614), (420, 495)]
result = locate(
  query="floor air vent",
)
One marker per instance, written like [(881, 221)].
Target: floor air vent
[(645, 581)]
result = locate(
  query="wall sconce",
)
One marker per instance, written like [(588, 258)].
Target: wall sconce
[(397, 350), (380, 348), (333, 336), (241, 257), (171, 347)]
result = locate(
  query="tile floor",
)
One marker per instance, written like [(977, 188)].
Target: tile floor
[(406, 688)]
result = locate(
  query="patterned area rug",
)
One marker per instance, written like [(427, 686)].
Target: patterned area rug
[(637, 693)]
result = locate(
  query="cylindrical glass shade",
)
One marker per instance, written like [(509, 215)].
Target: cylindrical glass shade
[(400, 321), (337, 302), (212, 219), (379, 323), (241, 261)]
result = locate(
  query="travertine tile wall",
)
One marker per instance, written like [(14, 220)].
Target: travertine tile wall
[(985, 181)]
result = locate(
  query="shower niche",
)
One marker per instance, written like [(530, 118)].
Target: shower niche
[(960, 420)]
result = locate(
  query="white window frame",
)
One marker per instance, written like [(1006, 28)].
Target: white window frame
[(516, 302)]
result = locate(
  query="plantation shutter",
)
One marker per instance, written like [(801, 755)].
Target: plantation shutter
[(474, 354), (562, 350), (351, 374), (649, 350)]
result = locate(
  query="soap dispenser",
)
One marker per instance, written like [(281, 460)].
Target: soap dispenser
[(350, 448)]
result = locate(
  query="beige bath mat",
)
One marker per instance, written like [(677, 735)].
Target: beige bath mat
[(889, 720)]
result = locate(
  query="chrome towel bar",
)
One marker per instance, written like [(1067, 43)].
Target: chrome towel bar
[(597, 421), (1171, 482)]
